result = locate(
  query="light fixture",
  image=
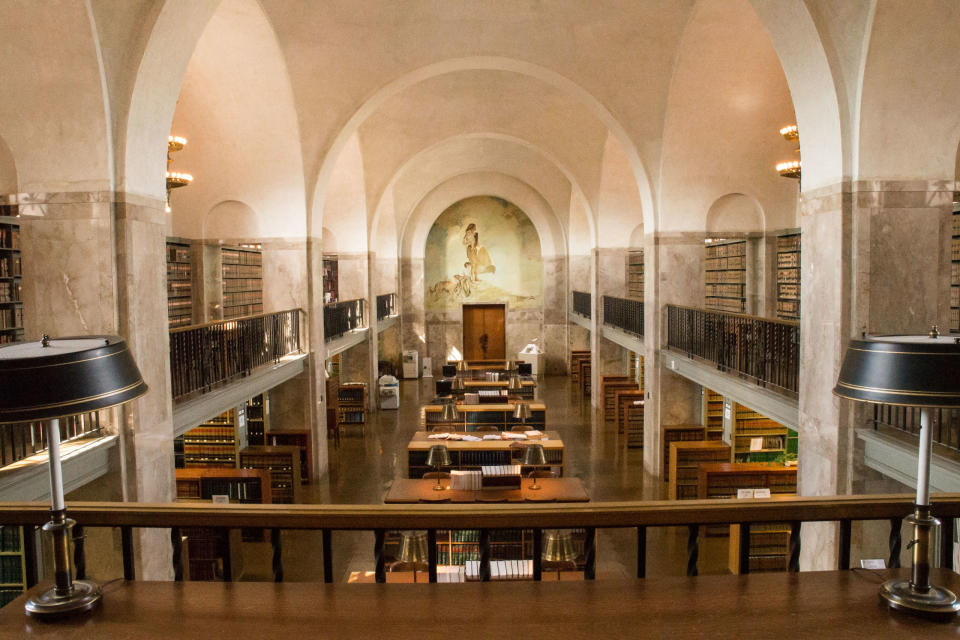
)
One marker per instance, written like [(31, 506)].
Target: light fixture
[(558, 547), (438, 456), (53, 379), (521, 412), (175, 179), (912, 371), (457, 384), (514, 384), (449, 412), (413, 549), (461, 366), (534, 456), (790, 169)]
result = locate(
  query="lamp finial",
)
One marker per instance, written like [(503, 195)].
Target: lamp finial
[(934, 332), (44, 340)]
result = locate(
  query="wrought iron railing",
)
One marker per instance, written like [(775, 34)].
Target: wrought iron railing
[(340, 318), (623, 314), (640, 516), (386, 305), (581, 303), (206, 355), (944, 423), (22, 440), (764, 350)]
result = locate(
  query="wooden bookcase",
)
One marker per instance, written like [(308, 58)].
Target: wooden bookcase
[(472, 416), (575, 358), (955, 271), (713, 414), (726, 276), (609, 386), (685, 458), (635, 274), (473, 455), (245, 486), (13, 565), (352, 403), (635, 368), (283, 463), (634, 424), (331, 283), (788, 276), (179, 284), (677, 433), (585, 372), (11, 281), (242, 281), (257, 415), (624, 399), (757, 438), (769, 542), (299, 438), (212, 444)]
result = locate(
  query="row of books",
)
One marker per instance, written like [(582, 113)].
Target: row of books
[(239, 285), (730, 305), (788, 308), (789, 243), (721, 277), (11, 318), (9, 538), (501, 569), (349, 417), (8, 595), (11, 570), (178, 271), (788, 260), (241, 310), (721, 264), (178, 253), (244, 490), (788, 275), (727, 249), (10, 291), (725, 290), (237, 256), (790, 291), (10, 266), (457, 553), (7, 338), (178, 287), (9, 237), (242, 298)]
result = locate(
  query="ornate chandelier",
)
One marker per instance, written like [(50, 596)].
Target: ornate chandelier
[(175, 178), (790, 169)]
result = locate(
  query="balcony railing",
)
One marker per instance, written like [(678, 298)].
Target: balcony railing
[(25, 439), (581, 303), (692, 514), (386, 305), (207, 355), (764, 350), (623, 314), (944, 423), (340, 318)]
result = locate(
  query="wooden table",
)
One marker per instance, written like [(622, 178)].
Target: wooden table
[(829, 604), (405, 491), (467, 454)]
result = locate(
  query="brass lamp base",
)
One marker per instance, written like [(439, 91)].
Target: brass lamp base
[(936, 603), (84, 596)]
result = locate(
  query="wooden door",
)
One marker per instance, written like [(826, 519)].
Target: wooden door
[(484, 332)]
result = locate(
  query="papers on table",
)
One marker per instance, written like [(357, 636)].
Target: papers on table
[(510, 435), (469, 438), (491, 436), (465, 480), (533, 433), (438, 436)]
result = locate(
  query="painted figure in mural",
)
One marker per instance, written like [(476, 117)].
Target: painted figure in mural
[(478, 259)]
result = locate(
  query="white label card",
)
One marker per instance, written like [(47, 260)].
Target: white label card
[(744, 493), (761, 493)]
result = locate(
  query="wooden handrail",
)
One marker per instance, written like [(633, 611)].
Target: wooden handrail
[(477, 516)]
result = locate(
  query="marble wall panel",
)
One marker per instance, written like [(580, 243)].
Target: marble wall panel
[(389, 347), (580, 272), (289, 403), (355, 363), (352, 275), (612, 359), (554, 291), (556, 355), (284, 274), (612, 272), (385, 278)]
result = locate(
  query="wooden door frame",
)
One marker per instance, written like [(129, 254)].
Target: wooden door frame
[(506, 308)]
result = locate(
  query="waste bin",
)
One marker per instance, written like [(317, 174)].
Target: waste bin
[(389, 394)]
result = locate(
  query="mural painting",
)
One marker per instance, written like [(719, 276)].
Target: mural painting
[(483, 249)]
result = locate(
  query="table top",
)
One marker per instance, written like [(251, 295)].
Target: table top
[(829, 604), (408, 491), (500, 406), (421, 441)]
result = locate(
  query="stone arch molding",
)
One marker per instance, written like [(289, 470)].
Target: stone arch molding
[(735, 213), (468, 185), (490, 63), (231, 219), (553, 230)]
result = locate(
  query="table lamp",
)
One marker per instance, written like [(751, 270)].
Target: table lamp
[(533, 455), (438, 456), (413, 549), (514, 384), (913, 371), (53, 379), (461, 366), (456, 385), (449, 412), (558, 547), (522, 411)]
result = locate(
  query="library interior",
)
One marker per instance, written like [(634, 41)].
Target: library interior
[(496, 292)]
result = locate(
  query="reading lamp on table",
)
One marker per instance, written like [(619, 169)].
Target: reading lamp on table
[(53, 379), (910, 371), (438, 456), (533, 455)]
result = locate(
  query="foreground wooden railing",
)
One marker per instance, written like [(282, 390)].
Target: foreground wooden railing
[(765, 350), (203, 356), (588, 516)]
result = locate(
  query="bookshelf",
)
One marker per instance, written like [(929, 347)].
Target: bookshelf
[(624, 399), (11, 282), (245, 486), (13, 565), (678, 433), (633, 416), (299, 438), (788, 276), (352, 403), (242, 281), (179, 287), (713, 414), (331, 284), (212, 444), (726, 275), (635, 274), (685, 458), (635, 368), (473, 416), (283, 463), (257, 413), (473, 455), (769, 542), (609, 386), (955, 270), (575, 358), (757, 438)]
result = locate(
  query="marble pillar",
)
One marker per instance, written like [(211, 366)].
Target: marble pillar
[(206, 280), (554, 336), (611, 281), (413, 326), (317, 359)]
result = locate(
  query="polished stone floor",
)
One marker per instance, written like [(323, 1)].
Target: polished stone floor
[(369, 459)]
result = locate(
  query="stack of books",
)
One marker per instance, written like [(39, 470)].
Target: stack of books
[(501, 476)]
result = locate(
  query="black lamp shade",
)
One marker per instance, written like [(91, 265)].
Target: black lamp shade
[(915, 371), (449, 370), (65, 377)]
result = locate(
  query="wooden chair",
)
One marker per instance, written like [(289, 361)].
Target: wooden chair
[(543, 473), (519, 428), (434, 475), (486, 428)]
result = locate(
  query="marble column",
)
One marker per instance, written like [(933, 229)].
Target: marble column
[(673, 264), (611, 281), (555, 335), (318, 354), (413, 322)]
